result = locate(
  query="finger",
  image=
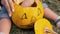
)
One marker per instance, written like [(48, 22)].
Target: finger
[(16, 1), (2, 2), (11, 5), (7, 7)]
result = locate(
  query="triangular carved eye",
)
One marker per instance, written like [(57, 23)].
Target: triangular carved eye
[(39, 11), (33, 19), (24, 16)]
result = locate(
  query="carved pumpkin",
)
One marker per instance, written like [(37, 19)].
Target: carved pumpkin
[(25, 17)]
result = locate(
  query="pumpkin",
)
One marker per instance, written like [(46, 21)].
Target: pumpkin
[(40, 26), (25, 17)]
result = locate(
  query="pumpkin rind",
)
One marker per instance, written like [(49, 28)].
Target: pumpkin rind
[(27, 16)]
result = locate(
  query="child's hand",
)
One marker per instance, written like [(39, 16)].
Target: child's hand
[(9, 5), (27, 3)]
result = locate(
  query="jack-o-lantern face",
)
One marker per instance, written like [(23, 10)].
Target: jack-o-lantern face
[(25, 17)]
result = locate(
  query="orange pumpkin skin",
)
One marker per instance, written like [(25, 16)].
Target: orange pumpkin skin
[(25, 17)]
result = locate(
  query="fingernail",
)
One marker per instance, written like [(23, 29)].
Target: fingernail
[(13, 10), (10, 15)]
